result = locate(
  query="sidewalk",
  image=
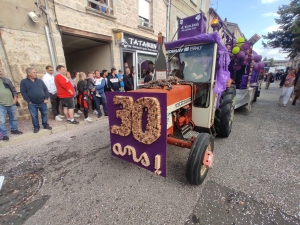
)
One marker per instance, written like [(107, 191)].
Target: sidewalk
[(57, 126)]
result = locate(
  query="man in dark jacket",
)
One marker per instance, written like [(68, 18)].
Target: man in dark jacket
[(8, 101), (148, 77), (128, 81), (36, 94), (113, 80)]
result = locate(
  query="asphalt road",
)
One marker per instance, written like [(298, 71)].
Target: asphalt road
[(255, 178)]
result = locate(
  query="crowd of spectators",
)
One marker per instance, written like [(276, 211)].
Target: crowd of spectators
[(70, 95)]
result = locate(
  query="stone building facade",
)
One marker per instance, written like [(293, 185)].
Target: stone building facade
[(83, 35)]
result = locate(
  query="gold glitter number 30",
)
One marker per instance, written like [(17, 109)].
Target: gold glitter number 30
[(132, 115)]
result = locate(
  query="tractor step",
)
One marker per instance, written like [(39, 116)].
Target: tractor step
[(187, 132), (188, 135)]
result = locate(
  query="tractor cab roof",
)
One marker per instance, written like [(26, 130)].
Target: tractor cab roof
[(196, 40)]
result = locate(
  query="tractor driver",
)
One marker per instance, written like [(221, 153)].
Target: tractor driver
[(197, 69)]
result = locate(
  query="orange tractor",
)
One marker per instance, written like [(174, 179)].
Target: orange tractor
[(185, 110)]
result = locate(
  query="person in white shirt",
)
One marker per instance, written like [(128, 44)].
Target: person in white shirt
[(48, 79)]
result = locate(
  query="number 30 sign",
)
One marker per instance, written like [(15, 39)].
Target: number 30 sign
[(138, 134)]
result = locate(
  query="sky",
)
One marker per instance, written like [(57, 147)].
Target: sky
[(255, 16)]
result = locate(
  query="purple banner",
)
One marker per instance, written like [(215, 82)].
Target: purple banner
[(192, 26), (138, 128)]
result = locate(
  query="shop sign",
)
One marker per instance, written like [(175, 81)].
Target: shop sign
[(138, 129), (119, 37), (137, 43)]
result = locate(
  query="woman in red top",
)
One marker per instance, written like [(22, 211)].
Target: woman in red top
[(65, 91)]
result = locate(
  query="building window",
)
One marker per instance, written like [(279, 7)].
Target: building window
[(203, 5), (145, 13), (103, 6), (194, 2)]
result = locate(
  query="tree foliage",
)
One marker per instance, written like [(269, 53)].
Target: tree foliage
[(265, 59), (271, 62), (288, 36)]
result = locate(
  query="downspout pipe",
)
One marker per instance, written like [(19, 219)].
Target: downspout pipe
[(50, 38), (50, 48), (168, 20)]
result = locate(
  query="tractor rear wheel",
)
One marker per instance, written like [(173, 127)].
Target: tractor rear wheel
[(224, 114), (196, 171)]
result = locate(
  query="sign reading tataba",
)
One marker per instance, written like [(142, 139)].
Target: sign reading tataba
[(136, 43)]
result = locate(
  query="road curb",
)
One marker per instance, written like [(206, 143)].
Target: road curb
[(31, 136)]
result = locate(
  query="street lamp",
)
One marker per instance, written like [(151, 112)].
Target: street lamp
[(215, 24)]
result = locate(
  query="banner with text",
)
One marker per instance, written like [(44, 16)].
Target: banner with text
[(138, 129), (192, 25)]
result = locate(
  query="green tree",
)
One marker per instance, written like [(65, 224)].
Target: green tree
[(288, 36), (271, 62), (265, 59)]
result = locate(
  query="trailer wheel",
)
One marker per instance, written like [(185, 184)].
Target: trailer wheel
[(255, 94), (196, 171), (224, 114)]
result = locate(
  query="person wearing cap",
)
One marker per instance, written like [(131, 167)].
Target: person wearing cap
[(120, 77)]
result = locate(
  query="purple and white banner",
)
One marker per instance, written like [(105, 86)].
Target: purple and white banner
[(138, 128), (192, 26)]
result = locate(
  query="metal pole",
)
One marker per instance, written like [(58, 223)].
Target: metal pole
[(50, 32), (168, 20), (52, 58)]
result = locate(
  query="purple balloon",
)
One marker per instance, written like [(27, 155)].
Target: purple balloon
[(257, 58), (236, 60), (236, 67), (246, 46), (241, 55), (255, 67), (261, 65)]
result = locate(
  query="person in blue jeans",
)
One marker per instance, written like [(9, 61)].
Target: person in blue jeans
[(99, 95), (8, 101), (36, 94)]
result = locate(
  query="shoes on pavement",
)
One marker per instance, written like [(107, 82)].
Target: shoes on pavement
[(88, 119), (95, 112), (61, 116), (99, 116), (48, 127), (279, 102), (76, 115), (284, 105), (36, 130), (73, 122), (5, 138), (294, 103), (79, 111), (58, 118), (106, 115), (16, 132)]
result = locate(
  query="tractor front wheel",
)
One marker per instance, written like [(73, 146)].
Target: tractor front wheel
[(196, 170)]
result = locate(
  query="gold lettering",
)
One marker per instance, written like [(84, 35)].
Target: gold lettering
[(143, 159)]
